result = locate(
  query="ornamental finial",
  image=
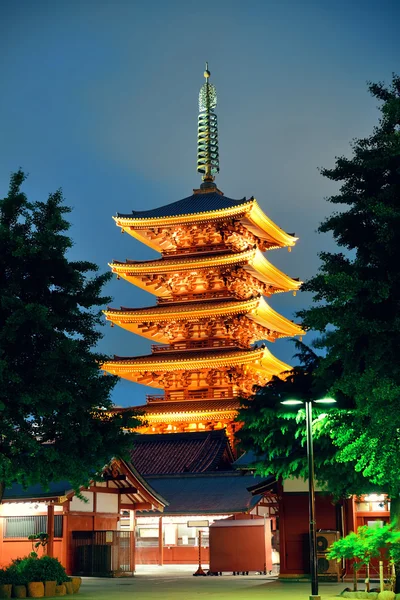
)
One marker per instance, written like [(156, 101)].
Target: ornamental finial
[(207, 138)]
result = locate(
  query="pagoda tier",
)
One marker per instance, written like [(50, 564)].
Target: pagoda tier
[(198, 414), (212, 372), (225, 274), (205, 219), (214, 323)]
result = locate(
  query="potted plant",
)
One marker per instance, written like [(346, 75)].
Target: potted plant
[(5, 584), (18, 580)]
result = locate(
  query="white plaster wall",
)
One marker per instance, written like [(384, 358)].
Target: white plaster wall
[(25, 509), (77, 504), (106, 503)]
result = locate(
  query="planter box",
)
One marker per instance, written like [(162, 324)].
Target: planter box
[(35, 589), (50, 588), (5, 590), (60, 590), (19, 591), (76, 584)]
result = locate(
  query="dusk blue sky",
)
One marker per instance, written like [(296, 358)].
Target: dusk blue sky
[(100, 98)]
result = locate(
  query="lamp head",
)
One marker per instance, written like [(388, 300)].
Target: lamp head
[(325, 401), (292, 402)]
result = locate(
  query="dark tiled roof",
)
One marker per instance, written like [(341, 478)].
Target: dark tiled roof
[(245, 461), (189, 406), (37, 491), (217, 493), (197, 203), (172, 453)]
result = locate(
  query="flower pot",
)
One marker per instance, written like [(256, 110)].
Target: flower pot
[(19, 591), (5, 590), (50, 588), (68, 587), (35, 589), (76, 584), (60, 590)]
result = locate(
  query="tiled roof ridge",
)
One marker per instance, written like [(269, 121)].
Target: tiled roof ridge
[(192, 353), (183, 306), (146, 437), (188, 259), (187, 475)]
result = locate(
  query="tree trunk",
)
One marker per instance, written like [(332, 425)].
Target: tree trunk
[(355, 586), (395, 520), (2, 490), (367, 586)]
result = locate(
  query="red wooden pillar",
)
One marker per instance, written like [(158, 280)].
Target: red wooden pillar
[(50, 530), (282, 528), (160, 543), (133, 541), (66, 544)]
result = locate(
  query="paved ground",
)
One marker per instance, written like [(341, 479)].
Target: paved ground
[(179, 584)]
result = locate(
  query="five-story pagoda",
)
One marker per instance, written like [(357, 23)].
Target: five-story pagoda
[(210, 284)]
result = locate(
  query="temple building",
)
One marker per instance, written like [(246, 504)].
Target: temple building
[(211, 312)]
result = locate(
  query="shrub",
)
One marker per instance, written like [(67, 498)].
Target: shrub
[(15, 576), (4, 577), (39, 569)]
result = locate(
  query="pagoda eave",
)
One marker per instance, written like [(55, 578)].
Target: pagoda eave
[(256, 309), (259, 361), (252, 261)]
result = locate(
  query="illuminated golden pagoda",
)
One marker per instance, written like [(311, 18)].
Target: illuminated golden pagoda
[(210, 283)]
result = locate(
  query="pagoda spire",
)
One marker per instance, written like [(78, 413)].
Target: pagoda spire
[(207, 138)]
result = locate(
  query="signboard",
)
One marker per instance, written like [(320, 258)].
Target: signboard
[(109, 537), (198, 523)]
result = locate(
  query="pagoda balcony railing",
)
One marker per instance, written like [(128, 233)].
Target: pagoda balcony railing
[(189, 297), (197, 249), (193, 344), (155, 398), (210, 394)]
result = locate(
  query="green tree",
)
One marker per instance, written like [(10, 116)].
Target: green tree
[(356, 311), (357, 299), (52, 394), (276, 433)]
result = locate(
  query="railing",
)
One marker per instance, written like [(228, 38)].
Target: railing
[(196, 249), (192, 344), (155, 398), (189, 297), (181, 396)]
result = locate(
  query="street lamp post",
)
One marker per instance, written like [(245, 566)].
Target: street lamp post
[(311, 504), (311, 491)]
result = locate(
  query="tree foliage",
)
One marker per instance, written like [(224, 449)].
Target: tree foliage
[(276, 433), (52, 393), (356, 311), (357, 297)]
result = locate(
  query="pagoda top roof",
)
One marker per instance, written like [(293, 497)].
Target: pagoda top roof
[(196, 203)]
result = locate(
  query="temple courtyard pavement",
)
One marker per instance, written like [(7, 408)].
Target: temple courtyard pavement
[(169, 583)]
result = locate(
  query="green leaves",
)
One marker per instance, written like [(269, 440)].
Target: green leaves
[(51, 388), (356, 311)]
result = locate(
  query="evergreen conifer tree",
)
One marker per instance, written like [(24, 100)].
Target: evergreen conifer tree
[(52, 394), (357, 300)]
